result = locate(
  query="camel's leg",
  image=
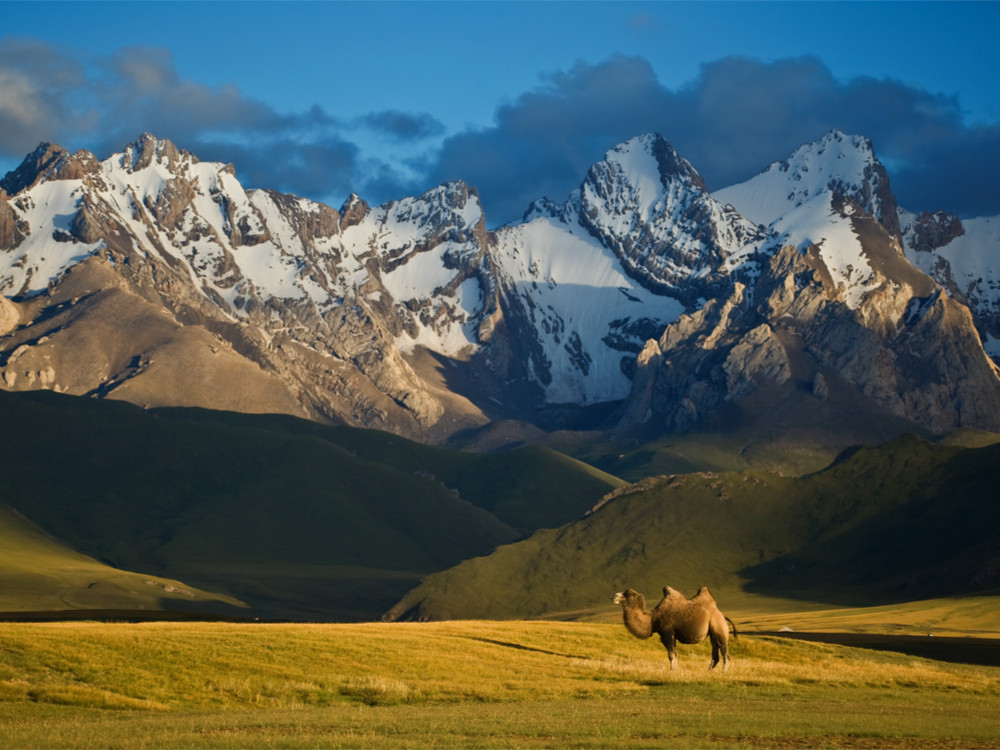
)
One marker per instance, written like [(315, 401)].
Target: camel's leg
[(667, 638), (720, 649)]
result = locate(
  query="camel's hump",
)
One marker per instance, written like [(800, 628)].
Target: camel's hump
[(704, 593)]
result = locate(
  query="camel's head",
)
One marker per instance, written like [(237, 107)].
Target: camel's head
[(629, 598)]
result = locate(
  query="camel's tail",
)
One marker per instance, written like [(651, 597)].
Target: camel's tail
[(732, 624)]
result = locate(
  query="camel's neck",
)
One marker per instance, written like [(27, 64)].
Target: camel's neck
[(638, 622)]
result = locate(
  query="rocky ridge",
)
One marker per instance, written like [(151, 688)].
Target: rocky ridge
[(256, 276), (154, 277)]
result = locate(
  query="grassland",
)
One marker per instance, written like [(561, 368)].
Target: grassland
[(468, 684), (965, 616)]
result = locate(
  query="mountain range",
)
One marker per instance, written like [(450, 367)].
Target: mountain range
[(641, 305), (643, 324)]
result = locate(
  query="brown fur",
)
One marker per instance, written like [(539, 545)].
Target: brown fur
[(677, 618)]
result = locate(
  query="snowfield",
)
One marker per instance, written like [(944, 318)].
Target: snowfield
[(578, 294)]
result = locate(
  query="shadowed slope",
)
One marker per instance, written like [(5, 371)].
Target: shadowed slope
[(907, 520), (268, 511), (40, 574)]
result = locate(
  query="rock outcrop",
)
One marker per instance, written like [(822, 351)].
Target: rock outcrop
[(908, 348)]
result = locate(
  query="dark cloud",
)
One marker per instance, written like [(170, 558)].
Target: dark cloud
[(384, 182), (957, 173), (737, 117), (48, 95), (543, 143), (404, 126), (35, 85), (734, 119), (740, 115), (142, 91)]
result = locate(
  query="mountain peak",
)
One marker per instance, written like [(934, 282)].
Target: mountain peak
[(49, 162), (648, 205), (451, 204), (840, 139), (454, 194), (148, 149), (639, 175), (651, 156), (836, 157), (43, 160), (836, 163), (353, 211), (848, 166)]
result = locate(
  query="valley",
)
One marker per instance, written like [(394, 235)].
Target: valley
[(291, 518), (285, 518)]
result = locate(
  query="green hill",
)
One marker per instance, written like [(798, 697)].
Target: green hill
[(908, 520), (41, 575), (529, 487), (294, 519)]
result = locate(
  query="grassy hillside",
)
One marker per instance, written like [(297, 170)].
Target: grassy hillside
[(39, 574), (913, 519), (528, 487), (469, 684), (904, 521), (271, 511)]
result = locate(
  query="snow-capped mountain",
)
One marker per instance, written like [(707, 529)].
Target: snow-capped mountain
[(156, 278), (964, 257), (838, 163), (296, 290), (837, 307), (811, 200), (595, 277), (650, 207)]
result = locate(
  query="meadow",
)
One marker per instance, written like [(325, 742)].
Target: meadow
[(468, 684)]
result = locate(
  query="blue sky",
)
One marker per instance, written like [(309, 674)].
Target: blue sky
[(387, 99)]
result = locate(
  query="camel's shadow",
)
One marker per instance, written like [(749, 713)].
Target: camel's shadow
[(522, 647)]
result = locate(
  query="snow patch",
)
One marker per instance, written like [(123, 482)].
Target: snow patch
[(49, 250), (971, 261)]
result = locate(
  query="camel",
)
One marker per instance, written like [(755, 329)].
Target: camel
[(677, 618)]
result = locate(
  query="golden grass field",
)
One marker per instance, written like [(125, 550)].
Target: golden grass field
[(469, 684)]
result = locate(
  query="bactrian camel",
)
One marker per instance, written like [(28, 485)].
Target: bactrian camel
[(677, 618)]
